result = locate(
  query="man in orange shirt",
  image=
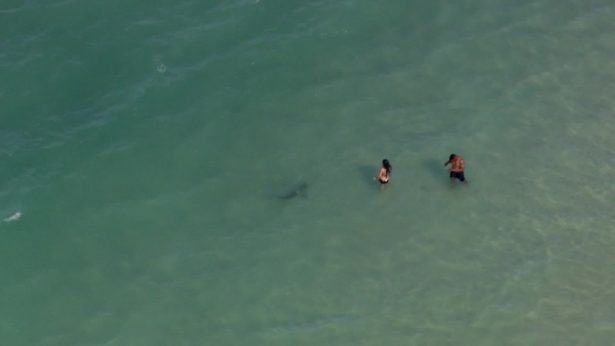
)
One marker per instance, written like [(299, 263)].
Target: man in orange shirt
[(457, 167)]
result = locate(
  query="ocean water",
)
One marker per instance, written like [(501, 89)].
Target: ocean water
[(200, 172)]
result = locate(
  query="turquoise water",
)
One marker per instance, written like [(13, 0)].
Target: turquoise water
[(151, 155)]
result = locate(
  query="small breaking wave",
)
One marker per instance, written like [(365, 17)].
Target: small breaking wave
[(16, 216)]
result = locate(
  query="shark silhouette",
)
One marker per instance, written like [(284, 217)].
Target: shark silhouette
[(298, 191)]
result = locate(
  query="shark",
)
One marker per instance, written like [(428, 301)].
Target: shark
[(298, 191)]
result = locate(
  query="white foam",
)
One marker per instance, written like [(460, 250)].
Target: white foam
[(13, 217)]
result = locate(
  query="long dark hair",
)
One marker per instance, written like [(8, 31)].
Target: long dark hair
[(387, 165)]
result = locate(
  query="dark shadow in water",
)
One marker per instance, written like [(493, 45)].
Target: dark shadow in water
[(299, 190), (367, 173)]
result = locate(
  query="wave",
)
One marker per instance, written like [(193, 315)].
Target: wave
[(16, 216)]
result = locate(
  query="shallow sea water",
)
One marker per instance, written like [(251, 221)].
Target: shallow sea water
[(150, 151)]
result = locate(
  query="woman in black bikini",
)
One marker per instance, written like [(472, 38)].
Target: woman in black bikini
[(385, 172)]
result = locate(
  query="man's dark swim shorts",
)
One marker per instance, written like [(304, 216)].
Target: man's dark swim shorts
[(458, 175)]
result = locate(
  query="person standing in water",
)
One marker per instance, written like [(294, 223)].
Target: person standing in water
[(385, 172), (456, 169)]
